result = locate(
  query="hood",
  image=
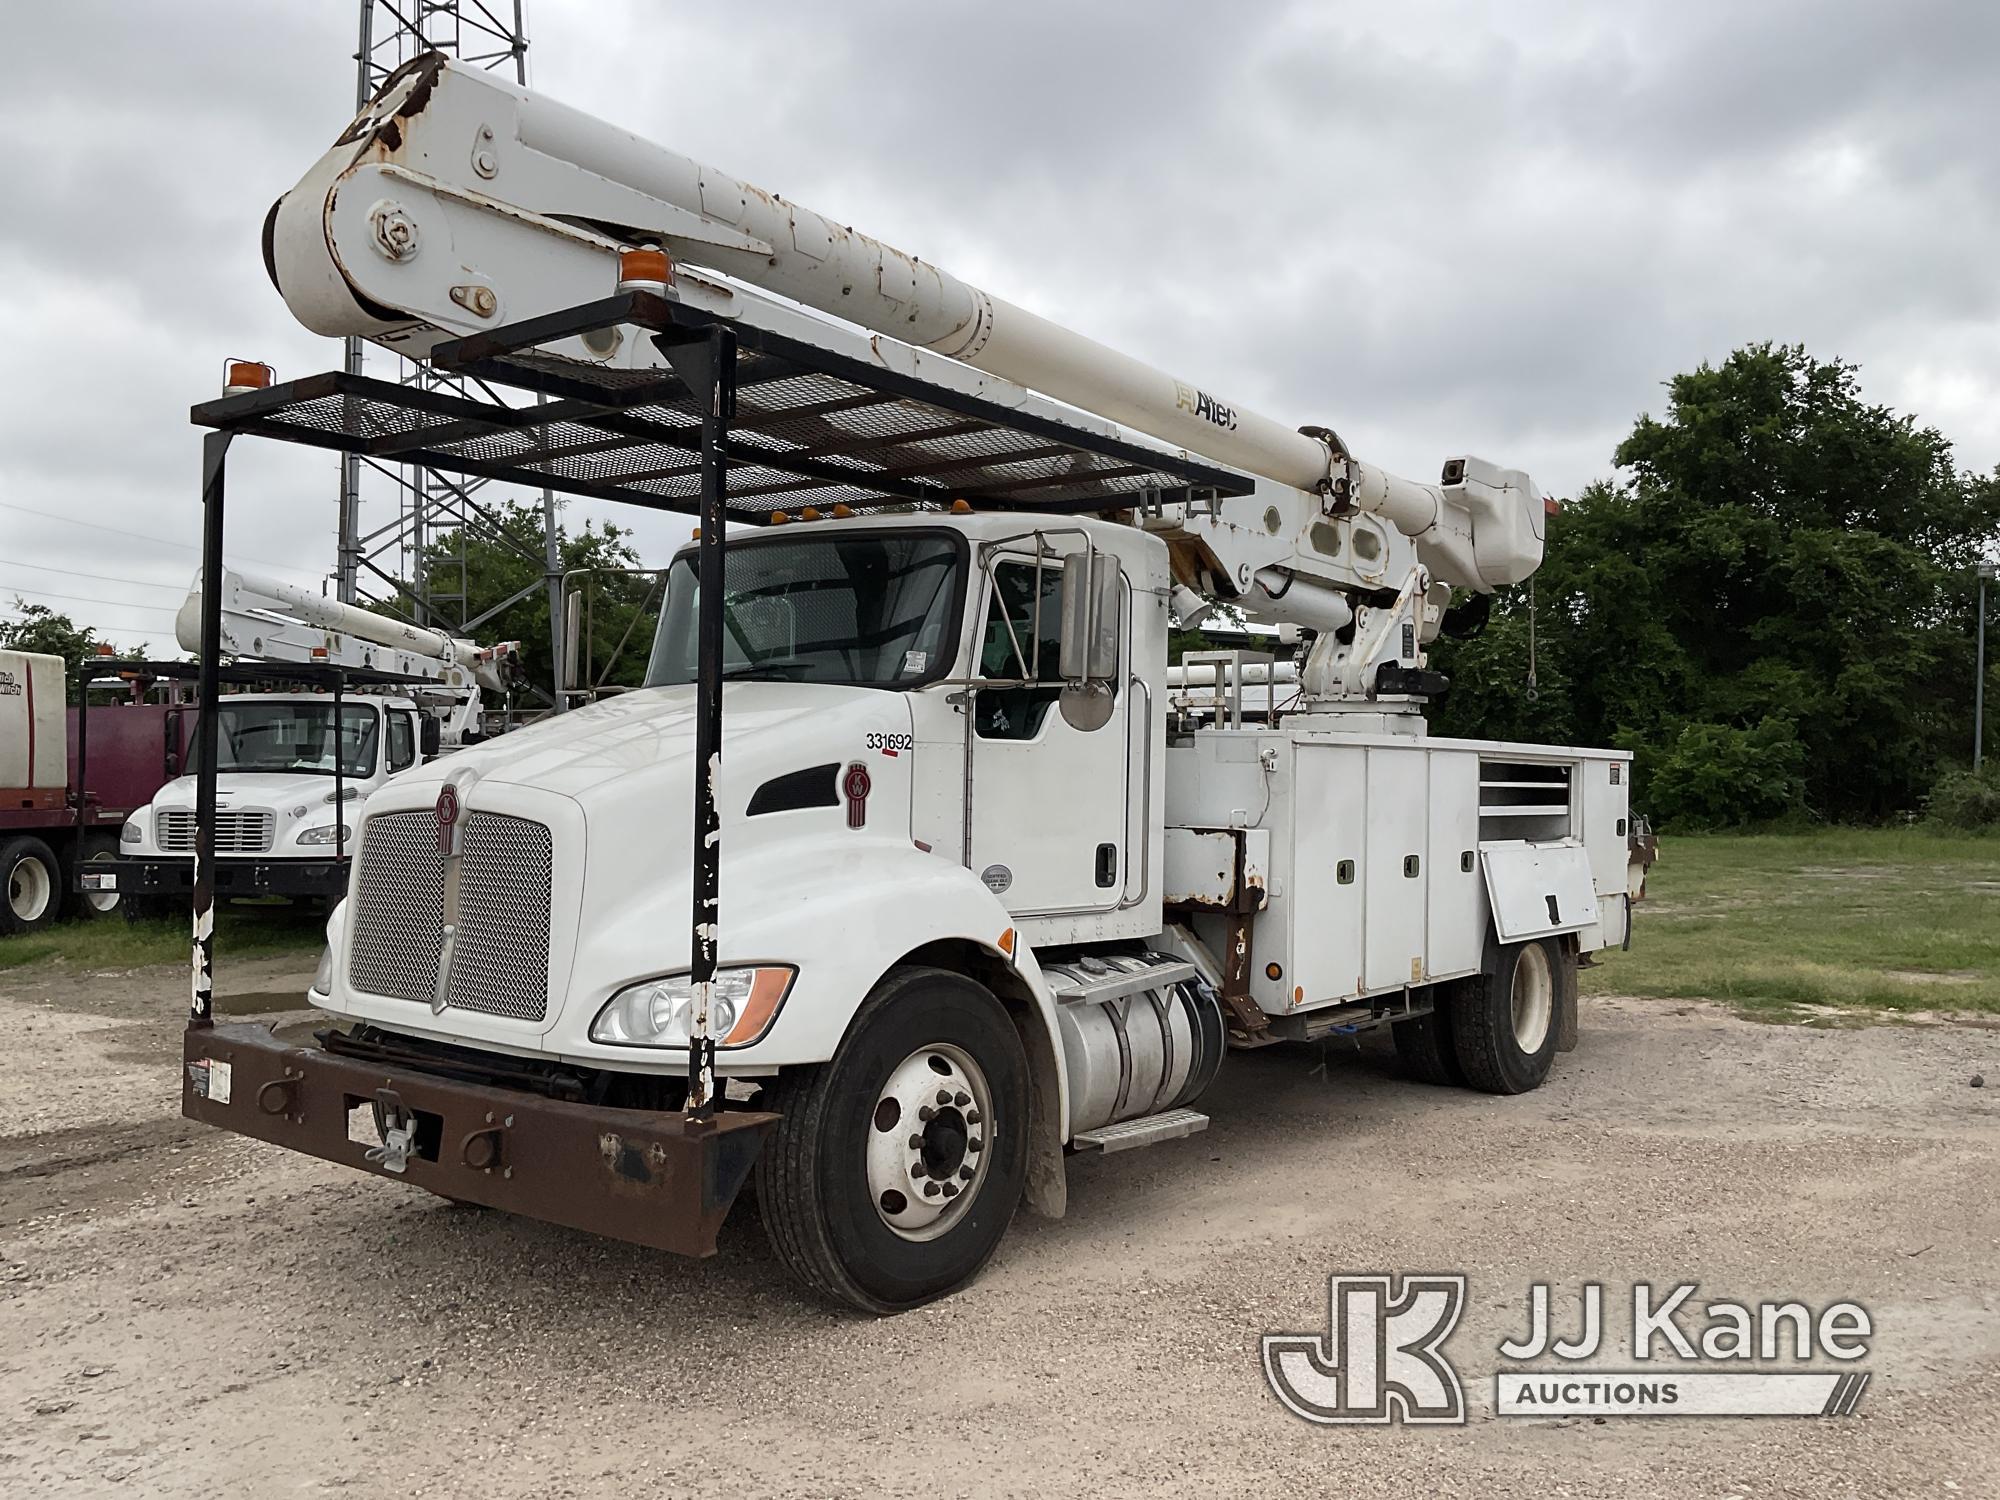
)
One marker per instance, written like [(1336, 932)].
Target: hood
[(277, 789), (638, 744)]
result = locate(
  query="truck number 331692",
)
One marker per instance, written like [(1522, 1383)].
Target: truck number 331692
[(891, 742)]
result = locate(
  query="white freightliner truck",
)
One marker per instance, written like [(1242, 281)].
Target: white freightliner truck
[(284, 766), (992, 889)]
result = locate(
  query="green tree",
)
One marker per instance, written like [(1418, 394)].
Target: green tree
[(1787, 563), (47, 631), (508, 572)]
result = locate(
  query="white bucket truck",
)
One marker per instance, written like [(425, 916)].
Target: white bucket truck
[(993, 887), (348, 698)]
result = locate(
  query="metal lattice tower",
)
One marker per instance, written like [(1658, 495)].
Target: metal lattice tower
[(391, 555)]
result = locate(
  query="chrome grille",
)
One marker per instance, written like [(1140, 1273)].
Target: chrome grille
[(500, 957), (398, 907), (500, 962), (238, 830)]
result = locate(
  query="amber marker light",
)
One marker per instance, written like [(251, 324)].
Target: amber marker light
[(644, 270), (241, 376)]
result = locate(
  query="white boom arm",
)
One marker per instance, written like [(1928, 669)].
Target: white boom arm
[(265, 619), (457, 201)]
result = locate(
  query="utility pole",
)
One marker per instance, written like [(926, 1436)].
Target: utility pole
[(1987, 570)]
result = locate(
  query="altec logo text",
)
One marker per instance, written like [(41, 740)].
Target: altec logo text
[(1382, 1357)]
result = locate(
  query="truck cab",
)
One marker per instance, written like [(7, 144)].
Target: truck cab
[(283, 766)]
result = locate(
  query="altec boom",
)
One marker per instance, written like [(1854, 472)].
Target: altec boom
[(999, 884)]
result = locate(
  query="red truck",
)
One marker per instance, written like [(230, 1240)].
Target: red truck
[(50, 819)]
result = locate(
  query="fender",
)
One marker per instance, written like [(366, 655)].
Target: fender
[(843, 909)]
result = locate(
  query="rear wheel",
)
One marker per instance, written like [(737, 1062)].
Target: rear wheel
[(1426, 1044), (30, 885), (1505, 1026), (894, 1169)]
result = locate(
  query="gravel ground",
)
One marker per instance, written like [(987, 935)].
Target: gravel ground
[(184, 1312)]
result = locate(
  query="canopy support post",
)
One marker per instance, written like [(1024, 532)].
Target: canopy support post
[(214, 452), (706, 363)]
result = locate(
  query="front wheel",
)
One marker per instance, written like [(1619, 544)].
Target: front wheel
[(97, 849), (30, 885), (893, 1170), (1505, 1023)]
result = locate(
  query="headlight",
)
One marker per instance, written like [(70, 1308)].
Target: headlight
[(659, 1012), (132, 833), (323, 975), (326, 833)]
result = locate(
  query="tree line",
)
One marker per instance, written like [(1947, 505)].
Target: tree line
[(1773, 608)]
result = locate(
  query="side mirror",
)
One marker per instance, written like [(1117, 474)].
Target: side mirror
[(170, 762), (430, 735), (1089, 655)]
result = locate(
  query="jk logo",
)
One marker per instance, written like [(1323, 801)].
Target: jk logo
[(1378, 1361)]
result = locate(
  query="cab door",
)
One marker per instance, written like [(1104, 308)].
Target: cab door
[(1049, 800)]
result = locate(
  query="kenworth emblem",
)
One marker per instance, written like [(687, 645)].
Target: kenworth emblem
[(447, 819)]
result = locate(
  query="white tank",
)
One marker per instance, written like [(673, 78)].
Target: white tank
[(34, 726)]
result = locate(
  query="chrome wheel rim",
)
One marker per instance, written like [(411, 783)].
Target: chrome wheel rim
[(930, 1139), (1533, 998)]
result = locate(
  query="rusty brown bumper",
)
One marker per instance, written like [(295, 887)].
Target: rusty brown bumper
[(654, 1178)]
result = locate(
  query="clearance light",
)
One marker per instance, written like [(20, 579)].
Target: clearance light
[(810, 513), (1551, 506), (106, 651), (660, 1012), (1273, 971), (842, 512), (779, 518), (1007, 941), (645, 270), (961, 507), (244, 375)]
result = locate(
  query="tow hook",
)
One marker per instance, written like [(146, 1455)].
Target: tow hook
[(399, 1133)]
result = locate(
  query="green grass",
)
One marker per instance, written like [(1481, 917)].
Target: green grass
[(114, 943), (1890, 919)]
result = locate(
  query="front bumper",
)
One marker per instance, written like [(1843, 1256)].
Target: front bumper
[(146, 876), (652, 1177)]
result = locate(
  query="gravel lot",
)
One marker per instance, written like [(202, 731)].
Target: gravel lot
[(183, 1312)]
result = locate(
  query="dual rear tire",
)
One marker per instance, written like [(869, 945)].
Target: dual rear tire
[(1497, 1031)]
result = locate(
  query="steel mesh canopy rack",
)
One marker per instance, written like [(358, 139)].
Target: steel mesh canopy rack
[(809, 427), (742, 422)]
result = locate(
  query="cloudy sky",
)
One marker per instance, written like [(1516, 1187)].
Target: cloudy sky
[(1442, 226)]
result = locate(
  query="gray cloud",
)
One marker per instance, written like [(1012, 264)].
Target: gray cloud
[(1440, 228)]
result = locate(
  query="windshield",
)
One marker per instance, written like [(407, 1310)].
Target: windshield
[(293, 737), (867, 608)]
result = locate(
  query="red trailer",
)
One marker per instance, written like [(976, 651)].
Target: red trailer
[(67, 786)]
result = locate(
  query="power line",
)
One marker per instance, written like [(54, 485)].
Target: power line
[(144, 583), (8, 588), (139, 536)]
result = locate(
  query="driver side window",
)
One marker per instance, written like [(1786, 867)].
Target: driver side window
[(1009, 649), (402, 742)]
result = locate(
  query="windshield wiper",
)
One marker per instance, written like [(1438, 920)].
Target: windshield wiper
[(766, 670)]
